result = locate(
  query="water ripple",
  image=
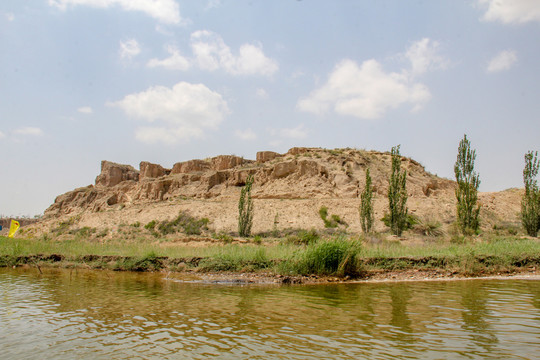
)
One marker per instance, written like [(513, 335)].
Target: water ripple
[(92, 315)]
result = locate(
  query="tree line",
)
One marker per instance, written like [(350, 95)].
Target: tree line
[(467, 207)]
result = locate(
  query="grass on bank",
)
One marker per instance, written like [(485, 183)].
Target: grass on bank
[(336, 256)]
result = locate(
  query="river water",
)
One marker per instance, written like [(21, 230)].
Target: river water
[(65, 314)]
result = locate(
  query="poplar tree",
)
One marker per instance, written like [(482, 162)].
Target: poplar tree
[(468, 182), (530, 206), (366, 205), (245, 209), (397, 194)]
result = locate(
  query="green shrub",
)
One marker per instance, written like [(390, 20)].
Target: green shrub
[(64, 226), (83, 233), (505, 228), (149, 262), (428, 228), (323, 212), (303, 237), (223, 236), (218, 264), (103, 233), (151, 225), (183, 223), (410, 221), (337, 257), (236, 258), (334, 220), (260, 258)]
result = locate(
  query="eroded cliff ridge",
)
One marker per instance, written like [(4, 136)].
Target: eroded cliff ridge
[(301, 173)]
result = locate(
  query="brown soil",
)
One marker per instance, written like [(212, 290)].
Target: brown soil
[(288, 192), (529, 269)]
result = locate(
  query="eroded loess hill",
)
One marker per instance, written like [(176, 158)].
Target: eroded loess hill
[(289, 189)]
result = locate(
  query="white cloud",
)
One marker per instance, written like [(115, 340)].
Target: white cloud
[(10, 16), (502, 61), (293, 133), (246, 134), (165, 11), (511, 11), (366, 91), (129, 49), (2, 135), (252, 60), (173, 62), (28, 130), (424, 56), (85, 110), (211, 53), (261, 93), (182, 112)]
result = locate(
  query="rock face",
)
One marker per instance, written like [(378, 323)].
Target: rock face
[(301, 173), (152, 171), (264, 156), (190, 166), (225, 162), (113, 174)]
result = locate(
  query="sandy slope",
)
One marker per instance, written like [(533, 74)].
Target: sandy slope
[(289, 190)]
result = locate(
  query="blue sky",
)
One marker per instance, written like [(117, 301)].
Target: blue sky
[(169, 80)]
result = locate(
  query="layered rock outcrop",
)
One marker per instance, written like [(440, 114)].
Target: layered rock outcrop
[(301, 173), (152, 171), (112, 174)]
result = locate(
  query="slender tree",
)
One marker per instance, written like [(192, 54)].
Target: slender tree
[(245, 209), (468, 181), (366, 205), (530, 206), (397, 194)]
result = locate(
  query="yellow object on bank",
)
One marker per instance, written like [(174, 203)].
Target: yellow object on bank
[(13, 228)]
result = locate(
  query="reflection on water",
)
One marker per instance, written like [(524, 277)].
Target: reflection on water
[(477, 318), (92, 314)]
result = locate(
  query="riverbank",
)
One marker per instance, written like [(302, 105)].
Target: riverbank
[(329, 260), (269, 278)]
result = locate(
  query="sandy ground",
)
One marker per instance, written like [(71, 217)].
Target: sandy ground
[(499, 209)]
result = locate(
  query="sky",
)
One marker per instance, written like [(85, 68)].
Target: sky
[(171, 80)]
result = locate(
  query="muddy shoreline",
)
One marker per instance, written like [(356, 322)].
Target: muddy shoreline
[(185, 270)]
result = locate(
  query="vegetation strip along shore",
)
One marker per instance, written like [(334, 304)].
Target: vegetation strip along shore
[(337, 257)]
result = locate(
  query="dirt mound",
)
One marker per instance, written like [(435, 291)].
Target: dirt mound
[(289, 189)]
